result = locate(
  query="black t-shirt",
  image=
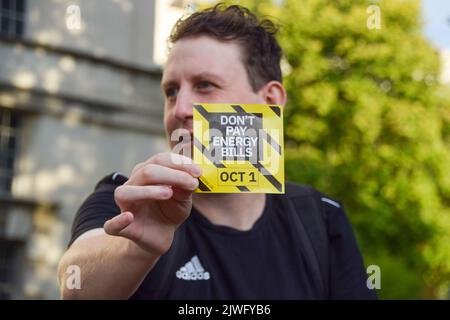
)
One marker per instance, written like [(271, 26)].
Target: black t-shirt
[(218, 262)]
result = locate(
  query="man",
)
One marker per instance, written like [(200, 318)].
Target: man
[(150, 237)]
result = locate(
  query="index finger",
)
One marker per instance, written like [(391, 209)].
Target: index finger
[(174, 161)]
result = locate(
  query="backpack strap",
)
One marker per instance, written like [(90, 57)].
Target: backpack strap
[(307, 214)]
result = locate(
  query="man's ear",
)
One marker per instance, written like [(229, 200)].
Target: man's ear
[(273, 92)]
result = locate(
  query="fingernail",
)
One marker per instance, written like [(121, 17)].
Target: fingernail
[(165, 193), (194, 184), (197, 171)]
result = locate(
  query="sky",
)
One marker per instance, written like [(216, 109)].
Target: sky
[(436, 15)]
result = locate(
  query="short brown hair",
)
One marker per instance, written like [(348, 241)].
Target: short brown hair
[(261, 51)]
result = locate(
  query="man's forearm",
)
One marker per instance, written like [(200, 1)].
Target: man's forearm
[(110, 268)]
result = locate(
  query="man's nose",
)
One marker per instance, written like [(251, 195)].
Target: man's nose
[(183, 107)]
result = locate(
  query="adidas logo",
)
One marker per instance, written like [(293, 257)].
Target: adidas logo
[(193, 270)]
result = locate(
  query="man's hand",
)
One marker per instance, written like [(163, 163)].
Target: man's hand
[(155, 201)]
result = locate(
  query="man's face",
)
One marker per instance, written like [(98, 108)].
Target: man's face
[(202, 70)]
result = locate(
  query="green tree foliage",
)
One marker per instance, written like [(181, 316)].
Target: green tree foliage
[(368, 123), (365, 124)]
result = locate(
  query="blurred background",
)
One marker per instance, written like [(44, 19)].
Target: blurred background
[(367, 122)]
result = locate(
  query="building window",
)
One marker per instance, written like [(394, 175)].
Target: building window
[(12, 16), (8, 147)]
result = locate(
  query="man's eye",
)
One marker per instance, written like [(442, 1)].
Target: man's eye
[(204, 85), (171, 92)]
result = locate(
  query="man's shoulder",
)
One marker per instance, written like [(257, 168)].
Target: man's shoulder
[(297, 190), (293, 189), (111, 181)]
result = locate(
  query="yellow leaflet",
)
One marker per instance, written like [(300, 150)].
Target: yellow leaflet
[(239, 147)]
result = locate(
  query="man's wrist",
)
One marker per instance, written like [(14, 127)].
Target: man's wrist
[(134, 251)]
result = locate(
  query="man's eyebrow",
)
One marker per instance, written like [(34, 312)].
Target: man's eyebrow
[(168, 84), (207, 76), (195, 78)]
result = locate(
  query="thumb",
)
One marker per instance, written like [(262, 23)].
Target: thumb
[(115, 225)]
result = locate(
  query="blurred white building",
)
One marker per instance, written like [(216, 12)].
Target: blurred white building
[(79, 98)]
